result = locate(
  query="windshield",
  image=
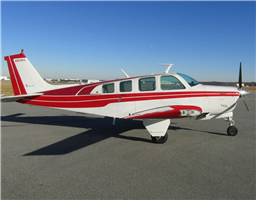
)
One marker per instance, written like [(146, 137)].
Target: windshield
[(192, 82)]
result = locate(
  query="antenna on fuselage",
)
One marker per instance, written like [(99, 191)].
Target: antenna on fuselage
[(168, 68), (127, 76)]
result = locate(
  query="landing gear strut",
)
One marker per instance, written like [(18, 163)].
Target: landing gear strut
[(232, 130)]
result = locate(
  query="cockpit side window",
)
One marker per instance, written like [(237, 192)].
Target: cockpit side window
[(192, 82), (171, 83)]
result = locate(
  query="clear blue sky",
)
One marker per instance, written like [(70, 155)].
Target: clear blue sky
[(206, 40)]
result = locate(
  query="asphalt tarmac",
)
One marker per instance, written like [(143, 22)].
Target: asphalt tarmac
[(55, 154)]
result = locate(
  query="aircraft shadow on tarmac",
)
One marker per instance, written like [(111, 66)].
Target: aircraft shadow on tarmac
[(99, 129)]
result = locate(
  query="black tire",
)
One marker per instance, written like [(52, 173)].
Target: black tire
[(160, 140), (232, 131)]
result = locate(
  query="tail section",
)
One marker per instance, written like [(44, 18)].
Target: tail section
[(25, 79)]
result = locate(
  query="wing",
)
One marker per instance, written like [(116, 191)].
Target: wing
[(167, 112)]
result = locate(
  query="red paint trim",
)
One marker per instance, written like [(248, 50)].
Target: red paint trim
[(17, 84), (17, 75), (72, 91), (101, 100)]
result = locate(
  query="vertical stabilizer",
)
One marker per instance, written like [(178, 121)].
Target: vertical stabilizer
[(25, 79)]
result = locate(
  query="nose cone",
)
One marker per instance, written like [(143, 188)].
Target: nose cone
[(243, 92)]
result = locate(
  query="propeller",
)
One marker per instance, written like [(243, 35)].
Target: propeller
[(242, 92)]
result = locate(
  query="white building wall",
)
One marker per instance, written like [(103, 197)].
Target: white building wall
[(4, 78)]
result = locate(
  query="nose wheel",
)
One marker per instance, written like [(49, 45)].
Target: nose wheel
[(232, 130)]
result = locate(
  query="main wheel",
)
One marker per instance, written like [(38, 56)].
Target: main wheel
[(232, 131), (160, 139)]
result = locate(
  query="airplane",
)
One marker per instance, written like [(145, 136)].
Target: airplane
[(155, 98)]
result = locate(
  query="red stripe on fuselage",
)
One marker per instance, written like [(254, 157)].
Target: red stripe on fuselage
[(101, 100)]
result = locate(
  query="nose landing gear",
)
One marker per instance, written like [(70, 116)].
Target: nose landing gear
[(232, 130)]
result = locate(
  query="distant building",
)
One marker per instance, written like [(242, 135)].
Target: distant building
[(87, 81), (4, 78), (93, 81), (90, 81), (51, 79)]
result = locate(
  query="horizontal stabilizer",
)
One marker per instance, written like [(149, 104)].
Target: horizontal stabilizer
[(18, 97)]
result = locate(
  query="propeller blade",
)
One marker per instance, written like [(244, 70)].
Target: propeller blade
[(240, 76), (241, 91), (245, 104)]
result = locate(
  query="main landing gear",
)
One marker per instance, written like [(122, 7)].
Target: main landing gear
[(157, 129), (232, 130), (160, 139)]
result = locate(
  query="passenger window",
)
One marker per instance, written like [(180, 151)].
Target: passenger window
[(147, 84), (171, 83), (108, 88), (126, 86)]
